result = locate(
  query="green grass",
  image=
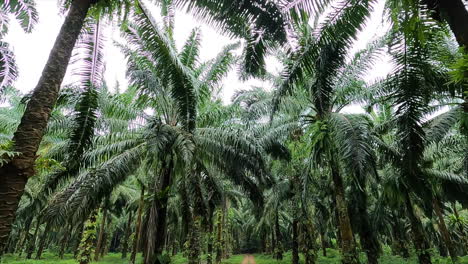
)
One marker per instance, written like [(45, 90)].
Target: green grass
[(52, 258), (332, 257)]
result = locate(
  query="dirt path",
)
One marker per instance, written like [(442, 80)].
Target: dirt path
[(248, 259)]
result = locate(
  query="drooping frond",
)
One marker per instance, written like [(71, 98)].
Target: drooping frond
[(260, 22), (353, 142), (324, 56), (237, 17), (440, 126), (8, 68), (236, 155), (23, 10), (86, 193), (89, 56)]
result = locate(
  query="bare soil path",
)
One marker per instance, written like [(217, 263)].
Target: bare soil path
[(248, 259)]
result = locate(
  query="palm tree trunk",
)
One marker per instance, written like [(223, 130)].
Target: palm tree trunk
[(310, 247), (32, 242), (78, 235), (443, 230), (295, 241), (88, 239), (101, 235), (42, 241), (454, 11), (158, 215), (273, 243), (323, 243), (138, 226), (219, 237), (348, 246), (194, 244), (279, 247), (399, 239), (369, 241), (209, 258), (419, 239), (127, 235), (65, 240), (25, 237), (28, 135)]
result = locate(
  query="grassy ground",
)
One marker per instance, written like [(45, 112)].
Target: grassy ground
[(332, 258)]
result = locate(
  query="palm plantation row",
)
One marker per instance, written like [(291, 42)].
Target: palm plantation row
[(163, 167)]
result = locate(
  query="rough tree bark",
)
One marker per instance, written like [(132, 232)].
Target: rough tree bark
[(194, 241), (65, 239), (25, 238), (28, 136), (323, 243), (209, 258), (127, 235), (295, 241), (101, 235), (219, 237), (43, 239), (348, 246), (158, 214), (444, 231), (136, 239), (279, 238), (32, 241), (419, 239)]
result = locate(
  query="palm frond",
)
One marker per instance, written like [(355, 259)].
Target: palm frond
[(190, 53), (23, 10), (8, 68), (146, 35), (89, 55)]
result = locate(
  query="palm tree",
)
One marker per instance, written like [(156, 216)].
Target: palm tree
[(315, 67), (30, 131)]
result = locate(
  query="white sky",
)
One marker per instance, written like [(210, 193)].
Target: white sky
[(32, 50)]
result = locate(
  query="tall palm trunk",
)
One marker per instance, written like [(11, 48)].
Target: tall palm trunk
[(369, 241), (348, 246), (310, 247), (454, 11), (219, 237), (77, 238), (25, 237), (32, 242), (43, 240), (88, 239), (194, 242), (209, 258), (419, 239), (443, 230), (323, 243), (158, 215), (65, 240), (136, 239), (101, 235), (28, 136), (295, 241), (279, 247), (399, 241), (127, 235)]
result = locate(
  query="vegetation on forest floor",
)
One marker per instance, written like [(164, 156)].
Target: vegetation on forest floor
[(333, 257)]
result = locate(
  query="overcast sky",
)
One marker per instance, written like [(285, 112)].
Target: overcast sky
[(32, 49)]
